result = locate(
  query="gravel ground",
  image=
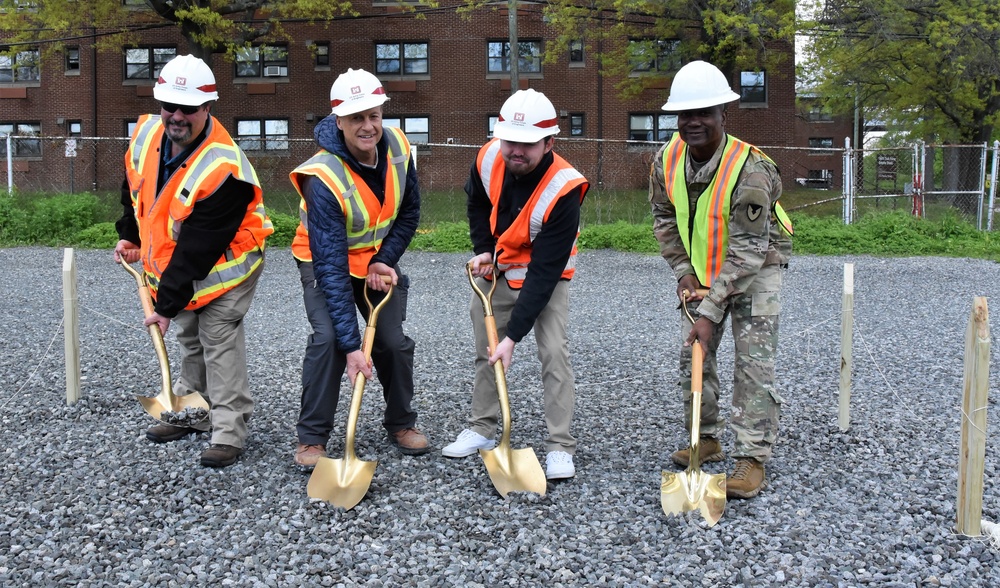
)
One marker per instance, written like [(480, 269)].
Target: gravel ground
[(89, 502)]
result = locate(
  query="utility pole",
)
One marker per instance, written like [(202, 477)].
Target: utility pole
[(515, 57)]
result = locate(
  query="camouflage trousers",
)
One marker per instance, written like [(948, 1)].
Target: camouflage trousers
[(756, 403)]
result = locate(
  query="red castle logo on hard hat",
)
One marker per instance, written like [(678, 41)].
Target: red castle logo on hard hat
[(355, 90), (181, 81)]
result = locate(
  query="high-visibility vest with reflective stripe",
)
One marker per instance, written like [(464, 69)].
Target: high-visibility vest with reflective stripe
[(368, 221), (160, 216), (707, 238), (513, 249)]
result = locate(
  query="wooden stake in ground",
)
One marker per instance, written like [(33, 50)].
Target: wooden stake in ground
[(71, 328), (972, 449), (846, 341)]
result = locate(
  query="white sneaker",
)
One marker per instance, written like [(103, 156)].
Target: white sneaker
[(468, 442), (559, 464)]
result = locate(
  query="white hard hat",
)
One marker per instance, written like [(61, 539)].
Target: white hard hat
[(526, 117), (186, 80), (699, 85), (355, 91)]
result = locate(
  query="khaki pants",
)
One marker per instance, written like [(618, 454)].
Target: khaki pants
[(214, 361), (559, 390)]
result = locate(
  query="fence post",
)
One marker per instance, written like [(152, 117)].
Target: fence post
[(10, 165), (917, 208), (993, 185), (846, 341), (71, 328), (982, 189), (848, 190), (972, 448)]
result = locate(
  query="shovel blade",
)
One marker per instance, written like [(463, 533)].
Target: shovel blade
[(172, 405), (514, 470), (341, 482), (694, 490)]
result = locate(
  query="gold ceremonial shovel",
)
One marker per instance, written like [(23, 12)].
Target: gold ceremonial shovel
[(166, 406), (693, 489), (511, 470), (344, 482)]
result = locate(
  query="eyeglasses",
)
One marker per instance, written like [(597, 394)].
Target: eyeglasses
[(172, 108)]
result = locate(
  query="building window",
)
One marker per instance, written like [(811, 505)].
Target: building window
[(576, 53), (529, 56), (753, 87), (321, 54), (576, 124), (72, 59), (820, 143), (654, 56), (74, 128), (401, 59), (20, 67), (130, 127), (492, 122), (25, 145), (145, 63), (266, 61), (651, 127), (417, 128), (262, 134), (818, 114)]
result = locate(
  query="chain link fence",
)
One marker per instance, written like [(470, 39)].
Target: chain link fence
[(925, 180)]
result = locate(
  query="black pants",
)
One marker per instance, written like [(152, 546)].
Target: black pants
[(324, 365)]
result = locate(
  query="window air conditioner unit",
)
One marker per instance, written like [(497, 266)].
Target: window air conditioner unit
[(271, 71)]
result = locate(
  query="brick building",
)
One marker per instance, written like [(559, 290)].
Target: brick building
[(817, 129), (446, 75)]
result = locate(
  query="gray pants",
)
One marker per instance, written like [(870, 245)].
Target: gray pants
[(214, 361), (756, 404), (559, 389)]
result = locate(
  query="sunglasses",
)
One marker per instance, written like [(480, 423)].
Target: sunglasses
[(172, 108)]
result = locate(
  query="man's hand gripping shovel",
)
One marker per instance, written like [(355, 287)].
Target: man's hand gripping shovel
[(693, 489), (166, 407), (344, 482), (511, 470)]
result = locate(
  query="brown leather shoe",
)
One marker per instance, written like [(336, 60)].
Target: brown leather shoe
[(220, 456), (709, 450), (746, 480), (164, 433), (410, 441), (307, 456)]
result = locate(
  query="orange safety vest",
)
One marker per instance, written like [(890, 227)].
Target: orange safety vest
[(368, 221), (160, 216), (708, 238), (513, 248)]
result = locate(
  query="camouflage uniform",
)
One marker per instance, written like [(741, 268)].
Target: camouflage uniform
[(747, 288)]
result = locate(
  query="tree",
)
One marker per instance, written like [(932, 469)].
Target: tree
[(658, 36), (207, 25), (931, 64)]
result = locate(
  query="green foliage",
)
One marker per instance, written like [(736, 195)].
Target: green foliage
[(52, 220), (446, 237), (619, 235), (284, 229), (99, 236), (929, 67)]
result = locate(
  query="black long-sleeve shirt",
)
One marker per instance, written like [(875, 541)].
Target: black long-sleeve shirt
[(549, 251)]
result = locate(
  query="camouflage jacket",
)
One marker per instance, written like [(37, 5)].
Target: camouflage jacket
[(752, 243)]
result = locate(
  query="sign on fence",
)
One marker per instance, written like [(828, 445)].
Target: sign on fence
[(886, 167)]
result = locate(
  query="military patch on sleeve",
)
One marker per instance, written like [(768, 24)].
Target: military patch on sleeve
[(754, 211)]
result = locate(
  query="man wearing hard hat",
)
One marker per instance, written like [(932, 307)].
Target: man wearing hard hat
[(360, 208), (524, 218), (720, 227), (194, 214)]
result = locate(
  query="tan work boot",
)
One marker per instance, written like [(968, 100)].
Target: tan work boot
[(709, 449), (746, 480), (307, 456), (410, 441)]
